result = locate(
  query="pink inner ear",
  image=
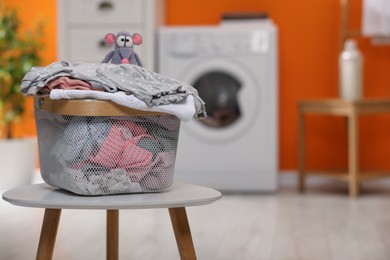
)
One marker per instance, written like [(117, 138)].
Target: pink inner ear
[(110, 38), (137, 39)]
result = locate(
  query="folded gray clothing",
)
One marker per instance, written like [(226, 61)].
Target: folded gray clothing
[(38, 77), (150, 87)]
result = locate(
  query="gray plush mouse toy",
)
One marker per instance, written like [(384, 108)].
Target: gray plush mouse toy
[(123, 52)]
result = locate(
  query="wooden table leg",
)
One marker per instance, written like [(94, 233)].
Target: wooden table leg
[(301, 151), (182, 233), (48, 236), (112, 234), (353, 154)]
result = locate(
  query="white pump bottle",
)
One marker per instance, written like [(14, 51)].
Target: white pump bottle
[(350, 69)]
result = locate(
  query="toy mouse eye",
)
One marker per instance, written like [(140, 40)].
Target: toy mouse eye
[(120, 41), (129, 41)]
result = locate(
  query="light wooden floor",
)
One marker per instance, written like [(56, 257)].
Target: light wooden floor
[(324, 224)]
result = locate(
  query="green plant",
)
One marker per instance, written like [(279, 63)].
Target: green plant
[(19, 52)]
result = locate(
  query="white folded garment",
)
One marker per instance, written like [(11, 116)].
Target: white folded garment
[(184, 110), (376, 18)]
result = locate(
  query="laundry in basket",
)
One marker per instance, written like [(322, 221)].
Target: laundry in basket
[(121, 143)]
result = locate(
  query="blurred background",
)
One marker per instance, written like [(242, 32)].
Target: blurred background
[(309, 45), (283, 52)]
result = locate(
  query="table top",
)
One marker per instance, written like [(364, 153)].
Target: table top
[(46, 196), (347, 101), (344, 107)]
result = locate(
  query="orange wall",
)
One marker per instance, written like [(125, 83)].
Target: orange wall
[(308, 52)]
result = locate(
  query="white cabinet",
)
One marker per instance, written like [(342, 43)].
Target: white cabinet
[(82, 25)]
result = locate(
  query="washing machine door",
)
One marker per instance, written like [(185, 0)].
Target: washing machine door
[(232, 98)]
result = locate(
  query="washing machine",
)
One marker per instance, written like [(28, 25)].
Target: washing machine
[(234, 68)]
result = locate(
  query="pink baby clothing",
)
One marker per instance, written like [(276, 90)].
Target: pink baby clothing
[(120, 150), (68, 84), (111, 149), (134, 156)]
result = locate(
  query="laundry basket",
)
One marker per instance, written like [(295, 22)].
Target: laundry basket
[(93, 147)]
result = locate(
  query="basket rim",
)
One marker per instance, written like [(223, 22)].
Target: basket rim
[(88, 107)]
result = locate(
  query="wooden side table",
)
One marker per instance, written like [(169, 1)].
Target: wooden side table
[(350, 110), (53, 200)]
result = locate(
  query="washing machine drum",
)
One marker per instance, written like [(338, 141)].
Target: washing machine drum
[(219, 91), (232, 94)]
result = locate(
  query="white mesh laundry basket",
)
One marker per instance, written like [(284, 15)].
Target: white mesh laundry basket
[(93, 147)]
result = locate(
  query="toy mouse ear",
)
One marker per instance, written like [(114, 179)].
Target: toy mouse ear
[(137, 38), (110, 38)]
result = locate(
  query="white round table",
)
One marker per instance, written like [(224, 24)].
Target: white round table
[(176, 198)]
